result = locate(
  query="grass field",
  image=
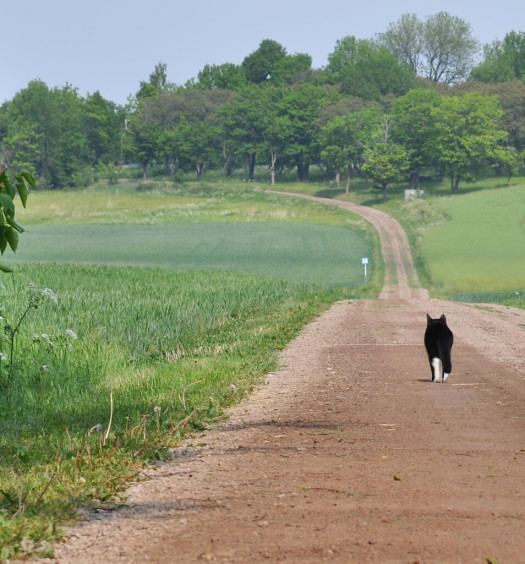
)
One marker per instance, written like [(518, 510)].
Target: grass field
[(129, 358), (303, 253), (481, 244)]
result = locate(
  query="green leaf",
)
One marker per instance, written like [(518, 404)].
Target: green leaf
[(12, 238), (14, 223), (29, 179), (3, 243), (22, 188), (5, 185), (7, 203), (5, 268)]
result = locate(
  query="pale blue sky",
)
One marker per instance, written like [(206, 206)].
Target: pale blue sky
[(111, 45)]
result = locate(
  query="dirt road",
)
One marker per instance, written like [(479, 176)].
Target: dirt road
[(349, 453)]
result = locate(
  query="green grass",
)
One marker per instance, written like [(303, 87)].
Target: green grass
[(305, 253), (481, 245), (146, 338), (232, 275)]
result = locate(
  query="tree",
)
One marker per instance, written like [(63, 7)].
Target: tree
[(466, 135), (386, 163), (243, 123), (301, 106), (502, 60), (405, 40), (511, 96), (45, 132), (199, 146), (157, 84), (292, 69), (102, 122), (227, 76), (368, 70), (509, 161), (260, 65), (345, 140), (449, 48), (413, 128), (441, 48)]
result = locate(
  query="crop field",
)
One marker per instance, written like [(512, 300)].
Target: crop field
[(305, 253), (125, 328), (480, 246)]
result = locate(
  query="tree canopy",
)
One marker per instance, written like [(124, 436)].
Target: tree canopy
[(418, 79)]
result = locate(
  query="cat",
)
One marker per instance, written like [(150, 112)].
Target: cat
[(438, 342)]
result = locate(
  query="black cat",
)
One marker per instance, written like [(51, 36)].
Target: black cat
[(438, 342)]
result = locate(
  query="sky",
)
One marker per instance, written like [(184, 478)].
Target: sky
[(113, 45)]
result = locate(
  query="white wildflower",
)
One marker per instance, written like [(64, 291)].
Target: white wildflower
[(71, 334), (157, 410), (49, 295), (45, 336), (69, 346), (45, 367), (3, 356)]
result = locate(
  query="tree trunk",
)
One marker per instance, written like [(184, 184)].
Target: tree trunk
[(384, 192), (414, 179), (347, 185), (251, 166), (199, 169), (273, 160), (454, 183), (144, 171), (173, 166), (337, 178), (302, 171)]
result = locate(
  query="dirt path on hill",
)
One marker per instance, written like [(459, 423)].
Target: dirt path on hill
[(348, 453)]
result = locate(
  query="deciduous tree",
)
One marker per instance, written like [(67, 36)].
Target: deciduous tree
[(467, 135)]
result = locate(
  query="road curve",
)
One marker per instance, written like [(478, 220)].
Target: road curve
[(401, 279)]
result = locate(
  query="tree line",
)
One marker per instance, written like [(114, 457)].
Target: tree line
[(411, 99)]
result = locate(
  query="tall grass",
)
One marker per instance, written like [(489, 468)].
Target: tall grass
[(147, 338)]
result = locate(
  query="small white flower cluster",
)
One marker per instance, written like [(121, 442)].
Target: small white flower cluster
[(3, 356), (45, 336), (48, 294), (71, 334)]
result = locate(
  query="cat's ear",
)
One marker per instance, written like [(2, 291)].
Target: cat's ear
[(429, 319), (443, 318)]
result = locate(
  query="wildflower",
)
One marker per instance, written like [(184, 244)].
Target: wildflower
[(157, 410), (45, 367), (47, 339), (233, 387), (26, 544), (3, 356), (49, 295), (71, 334)]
